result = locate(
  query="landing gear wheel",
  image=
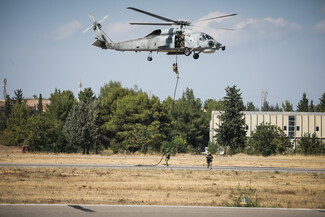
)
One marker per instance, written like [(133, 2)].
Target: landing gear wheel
[(187, 51), (149, 58), (196, 56)]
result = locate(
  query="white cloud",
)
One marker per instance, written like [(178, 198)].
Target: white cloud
[(118, 28), (320, 27), (280, 22), (243, 24), (64, 31), (246, 30)]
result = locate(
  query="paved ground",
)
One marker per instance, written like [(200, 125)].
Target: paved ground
[(221, 168), (33, 210)]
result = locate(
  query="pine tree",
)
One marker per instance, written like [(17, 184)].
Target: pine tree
[(311, 107), (321, 106), (190, 120), (18, 96), (75, 129), (86, 95), (82, 126), (231, 132), (303, 104), (250, 107), (287, 106), (17, 122), (94, 124), (8, 106), (40, 104)]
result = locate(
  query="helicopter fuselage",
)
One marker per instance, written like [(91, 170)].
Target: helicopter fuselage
[(172, 41)]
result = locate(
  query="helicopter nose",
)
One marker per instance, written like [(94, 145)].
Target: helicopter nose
[(218, 45), (211, 44), (214, 44)]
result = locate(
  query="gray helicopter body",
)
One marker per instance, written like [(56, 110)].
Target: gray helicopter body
[(173, 41)]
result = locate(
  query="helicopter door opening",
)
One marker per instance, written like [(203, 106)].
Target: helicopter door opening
[(179, 40)]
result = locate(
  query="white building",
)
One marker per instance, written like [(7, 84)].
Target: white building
[(294, 124)]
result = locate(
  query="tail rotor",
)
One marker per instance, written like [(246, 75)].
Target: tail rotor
[(95, 24)]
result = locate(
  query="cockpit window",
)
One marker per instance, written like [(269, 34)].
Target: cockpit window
[(209, 37), (202, 38), (155, 33)]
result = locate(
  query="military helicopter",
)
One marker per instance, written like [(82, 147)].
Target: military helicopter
[(173, 41)]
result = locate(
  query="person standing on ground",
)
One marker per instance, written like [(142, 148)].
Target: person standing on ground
[(167, 158), (209, 160)]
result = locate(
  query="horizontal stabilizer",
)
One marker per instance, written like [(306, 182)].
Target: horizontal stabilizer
[(99, 43)]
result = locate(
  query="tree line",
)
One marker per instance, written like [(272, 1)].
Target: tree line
[(120, 119), (304, 105), (123, 119)]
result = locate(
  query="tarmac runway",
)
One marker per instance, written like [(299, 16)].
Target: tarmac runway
[(34, 210), (172, 167)]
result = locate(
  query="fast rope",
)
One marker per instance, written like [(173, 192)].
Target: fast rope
[(175, 69)]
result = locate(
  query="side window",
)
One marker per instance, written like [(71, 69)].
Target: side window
[(202, 38), (284, 128)]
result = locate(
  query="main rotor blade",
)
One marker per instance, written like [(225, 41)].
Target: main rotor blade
[(154, 24), (87, 29), (227, 29), (103, 19), (212, 18), (153, 15), (91, 17)]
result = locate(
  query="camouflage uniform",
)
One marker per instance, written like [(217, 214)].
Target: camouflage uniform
[(175, 69), (209, 160), (167, 158)]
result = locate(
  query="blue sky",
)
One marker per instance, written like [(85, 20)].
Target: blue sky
[(278, 46)]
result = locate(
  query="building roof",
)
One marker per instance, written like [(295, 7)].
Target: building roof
[(277, 113)]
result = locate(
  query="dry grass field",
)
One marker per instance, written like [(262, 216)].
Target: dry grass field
[(14, 155), (161, 187)]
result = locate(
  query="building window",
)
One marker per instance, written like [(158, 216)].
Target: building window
[(317, 129), (292, 124), (285, 128), (246, 127), (298, 128)]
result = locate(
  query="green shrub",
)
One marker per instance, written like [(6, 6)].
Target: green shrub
[(244, 197), (177, 145), (310, 145), (268, 139)]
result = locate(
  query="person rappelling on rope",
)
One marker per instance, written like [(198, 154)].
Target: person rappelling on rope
[(175, 69), (167, 157)]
